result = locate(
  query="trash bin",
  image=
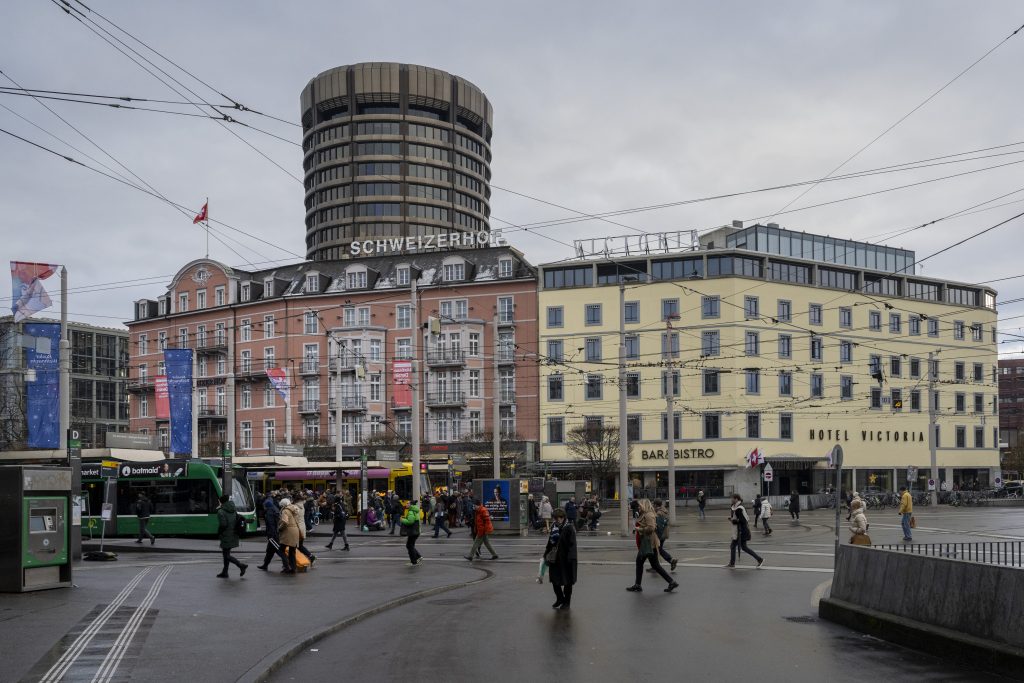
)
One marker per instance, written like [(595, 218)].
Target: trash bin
[(35, 509)]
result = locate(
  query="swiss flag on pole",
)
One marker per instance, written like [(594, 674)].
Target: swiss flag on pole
[(755, 458), (202, 215)]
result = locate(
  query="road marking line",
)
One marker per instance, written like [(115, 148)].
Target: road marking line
[(124, 639), (61, 666)]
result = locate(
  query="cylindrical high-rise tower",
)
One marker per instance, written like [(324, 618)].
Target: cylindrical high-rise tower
[(393, 150)]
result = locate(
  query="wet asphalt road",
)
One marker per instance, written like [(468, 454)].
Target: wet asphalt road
[(179, 622)]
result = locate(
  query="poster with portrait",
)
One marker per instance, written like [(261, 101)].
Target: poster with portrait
[(496, 496)]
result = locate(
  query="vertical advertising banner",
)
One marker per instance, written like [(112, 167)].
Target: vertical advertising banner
[(401, 371), (42, 400), (495, 494), (178, 363), (163, 403)]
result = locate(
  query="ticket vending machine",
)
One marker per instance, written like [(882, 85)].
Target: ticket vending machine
[(35, 509)]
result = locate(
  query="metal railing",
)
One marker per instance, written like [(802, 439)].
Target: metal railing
[(439, 356), (1005, 553), (448, 398), (309, 406), (310, 366)]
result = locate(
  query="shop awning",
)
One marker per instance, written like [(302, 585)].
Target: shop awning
[(794, 461)]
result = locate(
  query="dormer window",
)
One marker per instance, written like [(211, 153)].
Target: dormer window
[(355, 278), (505, 267), (268, 288), (245, 291), (455, 271), (402, 275), (312, 283)]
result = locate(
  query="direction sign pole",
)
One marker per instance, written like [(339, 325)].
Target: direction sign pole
[(837, 459)]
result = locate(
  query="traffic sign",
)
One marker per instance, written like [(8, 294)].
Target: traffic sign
[(911, 473), (931, 484), (769, 473)]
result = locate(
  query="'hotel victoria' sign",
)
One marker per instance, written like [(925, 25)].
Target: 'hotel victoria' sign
[(866, 435)]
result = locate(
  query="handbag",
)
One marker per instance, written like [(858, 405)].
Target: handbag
[(551, 556), (745, 533), (860, 539), (913, 522)]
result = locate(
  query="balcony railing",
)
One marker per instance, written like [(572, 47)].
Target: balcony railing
[(213, 411), (353, 403), (140, 384), (309, 406), (310, 366), (446, 398), (213, 345), (346, 363), (439, 357), (506, 356), (507, 396)]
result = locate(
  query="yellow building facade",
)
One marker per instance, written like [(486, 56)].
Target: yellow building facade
[(785, 342)]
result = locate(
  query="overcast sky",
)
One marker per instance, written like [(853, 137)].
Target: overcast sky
[(599, 106)]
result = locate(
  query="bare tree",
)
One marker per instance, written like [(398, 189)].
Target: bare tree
[(481, 445), (599, 447)]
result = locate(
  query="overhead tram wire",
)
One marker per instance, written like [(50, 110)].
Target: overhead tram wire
[(902, 118), (89, 24), (123, 98)]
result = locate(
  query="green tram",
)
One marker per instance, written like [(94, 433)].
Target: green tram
[(184, 495)]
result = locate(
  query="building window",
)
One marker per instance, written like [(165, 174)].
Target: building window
[(979, 372), (750, 307), (182, 302), (933, 327), (592, 314), (752, 344), (845, 317), (979, 403), (785, 425), (555, 389), (669, 309), (454, 272), (915, 325), (712, 426), (505, 267), (631, 311), (958, 329), (403, 349), (246, 434), (960, 402), (845, 352), (753, 381), (633, 347), (711, 382), (666, 378), (556, 430), (785, 383), (313, 283), (785, 346), (632, 385), (785, 313), (311, 325), (403, 313), (814, 314), (244, 291), (976, 332), (592, 349), (200, 299), (710, 307), (555, 353), (709, 344), (895, 366), (594, 387), (817, 385), (402, 276), (959, 372), (677, 425), (961, 437), (753, 425), (876, 398), (555, 316), (817, 347), (915, 368), (979, 437), (896, 400), (846, 387), (874, 321), (506, 308), (915, 400), (670, 345), (594, 426)]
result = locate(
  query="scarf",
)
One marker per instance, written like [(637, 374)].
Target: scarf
[(556, 531)]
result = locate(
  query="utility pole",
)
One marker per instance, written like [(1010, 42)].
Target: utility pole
[(934, 471), (417, 339), (670, 422), (232, 431), (287, 404), (338, 455), (623, 436), (496, 405), (64, 364), (195, 405)]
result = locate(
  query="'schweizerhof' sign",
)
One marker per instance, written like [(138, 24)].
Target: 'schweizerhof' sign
[(454, 240)]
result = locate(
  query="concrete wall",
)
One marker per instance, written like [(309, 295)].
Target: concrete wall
[(973, 599)]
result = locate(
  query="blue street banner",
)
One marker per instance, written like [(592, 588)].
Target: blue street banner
[(495, 495), (43, 394), (178, 365)]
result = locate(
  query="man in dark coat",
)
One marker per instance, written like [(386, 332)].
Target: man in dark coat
[(272, 517), (226, 515), (794, 505), (144, 510), (561, 573)]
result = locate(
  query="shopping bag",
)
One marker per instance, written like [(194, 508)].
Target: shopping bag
[(913, 522), (860, 539), (302, 562)]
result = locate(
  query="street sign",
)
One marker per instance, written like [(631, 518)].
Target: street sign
[(769, 473), (837, 455), (911, 473), (107, 512), (931, 484)]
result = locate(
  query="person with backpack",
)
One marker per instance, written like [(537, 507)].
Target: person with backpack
[(272, 518), (228, 531), (740, 532), (661, 529), (411, 530), (766, 514), (645, 530), (702, 502), (340, 513), (482, 528), (144, 510)]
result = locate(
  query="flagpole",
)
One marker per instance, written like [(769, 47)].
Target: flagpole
[(64, 363)]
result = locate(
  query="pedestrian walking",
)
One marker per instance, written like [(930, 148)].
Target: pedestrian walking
[(411, 530), (858, 524), (532, 512), (906, 513), (702, 502), (397, 510), (340, 513), (740, 532), (571, 510), (272, 518), (647, 547), (144, 510), (545, 513), (289, 532), (560, 558), (757, 509), (440, 514), (661, 528), (794, 506), (298, 506), (483, 528), (766, 514), (226, 530)]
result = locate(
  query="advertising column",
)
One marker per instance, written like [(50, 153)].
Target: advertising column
[(43, 385)]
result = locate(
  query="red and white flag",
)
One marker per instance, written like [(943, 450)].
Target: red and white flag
[(202, 215), (755, 458)]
